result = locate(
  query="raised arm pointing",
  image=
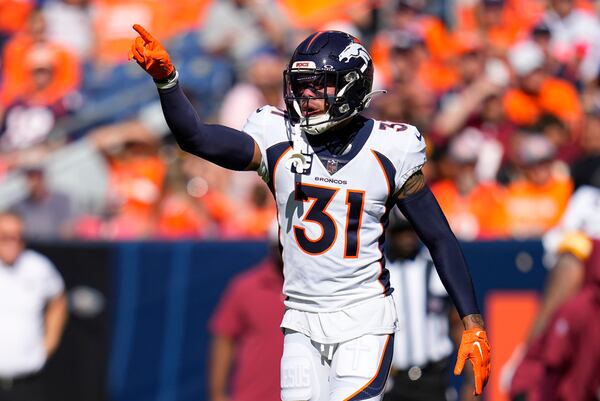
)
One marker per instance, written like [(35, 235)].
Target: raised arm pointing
[(221, 145)]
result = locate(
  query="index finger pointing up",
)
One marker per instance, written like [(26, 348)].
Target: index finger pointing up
[(143, 33)]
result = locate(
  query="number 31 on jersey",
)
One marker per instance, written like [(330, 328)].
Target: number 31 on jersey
[(321, 197)]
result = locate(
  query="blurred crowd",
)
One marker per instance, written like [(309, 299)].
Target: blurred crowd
[(506, 92)]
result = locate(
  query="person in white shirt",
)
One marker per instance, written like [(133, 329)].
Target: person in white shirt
[(33, 312), (573, 32)]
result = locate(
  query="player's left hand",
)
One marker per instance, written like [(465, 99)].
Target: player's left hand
[(151, 55), (474, 346)]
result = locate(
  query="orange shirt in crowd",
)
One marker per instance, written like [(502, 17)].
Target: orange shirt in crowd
[(434, 73), (135, 186), (439, 77), (185, 15), (312, 14), (14, 14), (515, 23), (179, 217), (500, 39), (556, 97), (381, 53), (16, 73), (250, 221), (518, 18), (533, 209), (439, 41), (478, 215), (113, 21), (218, 206)]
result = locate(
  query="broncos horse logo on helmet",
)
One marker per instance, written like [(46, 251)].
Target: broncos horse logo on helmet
[(325, 60), (354, 50)]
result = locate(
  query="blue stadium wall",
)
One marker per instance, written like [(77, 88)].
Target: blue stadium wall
[(150, 341)]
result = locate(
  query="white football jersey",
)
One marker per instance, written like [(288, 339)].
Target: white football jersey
[(332, 216)]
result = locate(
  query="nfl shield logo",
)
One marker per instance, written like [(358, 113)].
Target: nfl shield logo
[(332, 166)]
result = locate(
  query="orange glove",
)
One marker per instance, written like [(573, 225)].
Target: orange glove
[(151, 55), (474, 346)]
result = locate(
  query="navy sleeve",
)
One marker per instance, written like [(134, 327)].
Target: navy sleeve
[(426, 216), (221, 145)]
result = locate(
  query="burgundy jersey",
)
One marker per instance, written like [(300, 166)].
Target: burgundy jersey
[(563, 363)]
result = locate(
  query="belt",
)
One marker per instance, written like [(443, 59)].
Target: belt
[(7, 383)]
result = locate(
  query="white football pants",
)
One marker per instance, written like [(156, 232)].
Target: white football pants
[(354, 370)]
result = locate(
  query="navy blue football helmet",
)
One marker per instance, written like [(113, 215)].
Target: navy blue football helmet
[(337, 68)]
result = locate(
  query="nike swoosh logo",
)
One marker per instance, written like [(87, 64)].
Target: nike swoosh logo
[(476, 343)]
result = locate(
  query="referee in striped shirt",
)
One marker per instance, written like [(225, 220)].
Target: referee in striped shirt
[(422, 344)]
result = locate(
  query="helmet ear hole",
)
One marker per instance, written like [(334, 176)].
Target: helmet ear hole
[(351, 76)]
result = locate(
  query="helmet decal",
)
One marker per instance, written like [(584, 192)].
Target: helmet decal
[(304, 64), (355, 50)]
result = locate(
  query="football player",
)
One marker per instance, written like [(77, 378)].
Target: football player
[(335, 176)]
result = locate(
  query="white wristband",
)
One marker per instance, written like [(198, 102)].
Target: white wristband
[(169, 83)]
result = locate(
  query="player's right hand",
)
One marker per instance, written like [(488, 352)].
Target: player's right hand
[(151, 55), (475, 347)]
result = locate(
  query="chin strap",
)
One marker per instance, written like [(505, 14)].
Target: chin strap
[(296, 162), (296, 159)]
